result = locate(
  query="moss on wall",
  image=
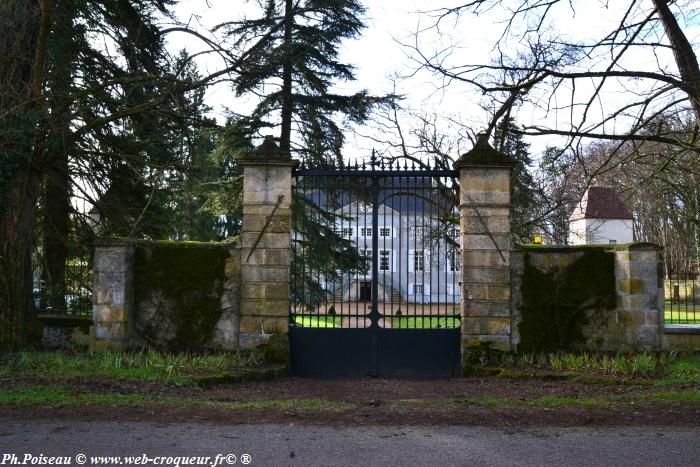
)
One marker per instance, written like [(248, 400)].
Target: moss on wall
[(555, 302), (190, 278)]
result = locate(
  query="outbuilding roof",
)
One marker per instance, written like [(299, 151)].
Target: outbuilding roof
[(601, 203)]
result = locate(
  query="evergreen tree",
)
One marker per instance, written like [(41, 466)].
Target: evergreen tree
[(293, 68), (523, 197), (79, 75)]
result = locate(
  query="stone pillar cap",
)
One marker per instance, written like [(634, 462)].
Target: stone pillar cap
[(484, 155), (268, 153)]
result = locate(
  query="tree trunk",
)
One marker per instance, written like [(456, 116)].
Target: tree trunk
[(23, 27), (686, 60), (17, 320), (287, 106)]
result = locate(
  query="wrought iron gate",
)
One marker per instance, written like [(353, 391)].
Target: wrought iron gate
[(375, 274)]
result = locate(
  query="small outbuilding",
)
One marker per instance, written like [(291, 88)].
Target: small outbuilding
[(600, 217)]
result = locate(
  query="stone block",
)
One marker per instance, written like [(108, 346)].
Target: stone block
[(266, 240), (469, 196), (113, 259), (276, 223), (643, 270), (499, 343), (264, 324), (485, 242), (492, 275), (485, 211), (103, 331), (477, 225), (650, 256), (267, 257), (495, 292), (264, 307), (251, 273), (250, 324), (488, 258), (265, 290), (486, 309), (622, 256), (636, 302), (485, 180), (252, 340), (681, 341), (257, 209), (486, 326), (645, 337), (263, 184), (652, 317), (630, 286)]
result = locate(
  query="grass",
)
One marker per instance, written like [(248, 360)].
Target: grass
[(143, 364), (583, 402), (665, 367), (409, 322), (679, 313), (320, 321), (44, 395), (50, 395)]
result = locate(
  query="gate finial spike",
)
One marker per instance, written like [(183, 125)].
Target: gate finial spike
[(373, 160)]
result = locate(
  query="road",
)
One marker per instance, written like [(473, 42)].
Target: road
[(280, 445)]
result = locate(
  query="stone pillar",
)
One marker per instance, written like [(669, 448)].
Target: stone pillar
[(112, 295), (639, 285), (485, 240), (265, 244)]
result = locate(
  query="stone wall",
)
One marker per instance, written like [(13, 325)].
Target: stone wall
[(181, 295), (606, 297)]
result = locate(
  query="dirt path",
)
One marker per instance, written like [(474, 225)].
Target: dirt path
[(487, 401)]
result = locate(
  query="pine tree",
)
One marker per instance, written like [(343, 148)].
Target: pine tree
[(67, 104), (293, 69), (523, 198)]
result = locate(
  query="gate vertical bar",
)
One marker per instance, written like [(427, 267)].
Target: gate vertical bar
[(374, 312)]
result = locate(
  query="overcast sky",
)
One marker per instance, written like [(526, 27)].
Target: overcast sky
[(378, 54)]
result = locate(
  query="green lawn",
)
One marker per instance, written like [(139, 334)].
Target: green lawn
[(322, 321), (407, 322), (680, 314)]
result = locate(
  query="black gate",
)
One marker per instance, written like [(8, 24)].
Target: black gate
[(375, 272)]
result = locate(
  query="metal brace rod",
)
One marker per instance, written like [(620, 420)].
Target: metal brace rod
[(472, 205), (280, 198)]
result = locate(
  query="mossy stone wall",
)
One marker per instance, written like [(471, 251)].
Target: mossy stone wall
[(182, 294), (586, 297)]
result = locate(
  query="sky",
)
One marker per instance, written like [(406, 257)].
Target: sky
[(380, 55)]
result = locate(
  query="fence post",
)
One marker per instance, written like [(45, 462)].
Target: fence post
[(265, 244), (112, 295), (484, 180)]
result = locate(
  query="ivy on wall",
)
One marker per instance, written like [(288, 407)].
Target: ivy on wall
[(190, 277), (555, 302)]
